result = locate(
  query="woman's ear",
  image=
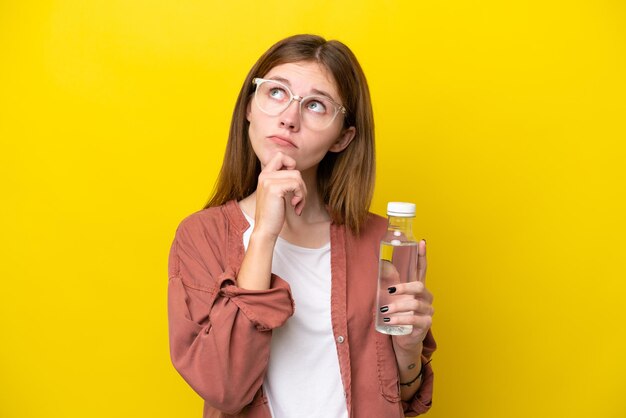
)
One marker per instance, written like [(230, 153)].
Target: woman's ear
[(248, 108), (347, 135)]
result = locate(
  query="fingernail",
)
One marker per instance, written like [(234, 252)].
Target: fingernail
[(392, 289), (386, 319), (384, 309), (424, 240)]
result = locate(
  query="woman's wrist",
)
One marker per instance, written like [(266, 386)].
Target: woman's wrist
[(409, 369), (261, 237), (408, 353)]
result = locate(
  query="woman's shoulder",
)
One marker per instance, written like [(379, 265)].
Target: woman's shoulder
[(375, 222), (208, 216), (215, 220), (372, 229), (375, 218)]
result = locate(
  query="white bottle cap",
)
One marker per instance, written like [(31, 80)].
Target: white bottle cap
[(401, 209)]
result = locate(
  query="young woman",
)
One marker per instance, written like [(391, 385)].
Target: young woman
[(272, 287)]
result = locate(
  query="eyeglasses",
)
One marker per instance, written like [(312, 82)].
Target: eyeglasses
[(273, 98)]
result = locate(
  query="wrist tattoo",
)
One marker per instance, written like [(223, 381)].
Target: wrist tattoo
[(418, 375)]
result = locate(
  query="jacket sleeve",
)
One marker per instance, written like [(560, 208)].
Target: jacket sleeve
[(220, 333), (422, 400)]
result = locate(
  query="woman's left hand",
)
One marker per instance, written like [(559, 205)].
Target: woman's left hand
[(420, 305)]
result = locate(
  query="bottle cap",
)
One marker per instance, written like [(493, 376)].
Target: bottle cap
[(401, 209)]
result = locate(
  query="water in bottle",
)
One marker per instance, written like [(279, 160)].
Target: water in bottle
[(397, 264)]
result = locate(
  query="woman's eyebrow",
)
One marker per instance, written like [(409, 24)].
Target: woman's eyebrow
[(281, 79), (323, 93), (314, 91)]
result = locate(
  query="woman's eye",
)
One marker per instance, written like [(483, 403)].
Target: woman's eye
[(316, 106), (277, 93)]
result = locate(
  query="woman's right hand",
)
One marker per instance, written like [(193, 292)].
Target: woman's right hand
[(279, 185)]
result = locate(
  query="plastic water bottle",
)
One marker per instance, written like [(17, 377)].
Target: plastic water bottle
[(397, 264)]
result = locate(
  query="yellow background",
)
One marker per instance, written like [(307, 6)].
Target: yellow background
[(503, 120)]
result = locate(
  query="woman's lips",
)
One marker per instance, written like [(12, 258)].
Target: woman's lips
[(282, 141)]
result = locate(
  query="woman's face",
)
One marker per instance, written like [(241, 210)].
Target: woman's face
[(286, 131)]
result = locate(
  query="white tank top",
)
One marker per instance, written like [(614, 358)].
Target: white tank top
[(303, 377)]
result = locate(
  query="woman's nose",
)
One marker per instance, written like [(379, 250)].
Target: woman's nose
[(290, 118)]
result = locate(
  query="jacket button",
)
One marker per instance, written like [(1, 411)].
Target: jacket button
[(340, 339)]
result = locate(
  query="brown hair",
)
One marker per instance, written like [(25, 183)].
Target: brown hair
[(345, 180)]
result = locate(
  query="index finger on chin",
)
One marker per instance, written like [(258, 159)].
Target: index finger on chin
[(280, 161)]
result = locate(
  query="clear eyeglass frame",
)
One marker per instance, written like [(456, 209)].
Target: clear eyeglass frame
[(257, 81)]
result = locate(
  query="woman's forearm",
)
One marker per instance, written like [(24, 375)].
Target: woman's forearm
[(409, 367), (256, 268)]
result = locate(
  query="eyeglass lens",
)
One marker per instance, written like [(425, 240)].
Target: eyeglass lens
[(273, 98)]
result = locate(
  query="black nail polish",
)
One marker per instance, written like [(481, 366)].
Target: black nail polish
[(386, 319), (384, 309), (392, 289)]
